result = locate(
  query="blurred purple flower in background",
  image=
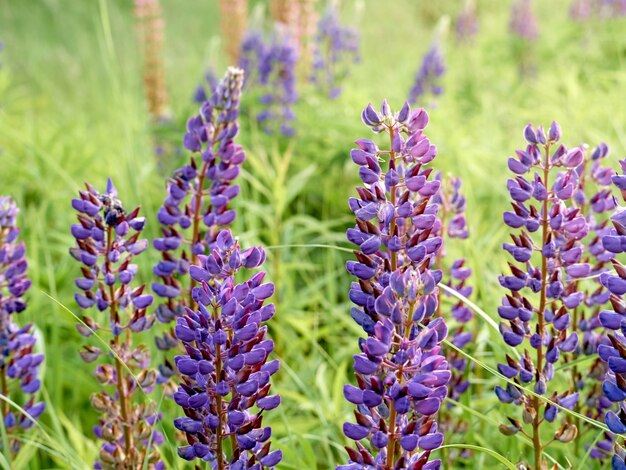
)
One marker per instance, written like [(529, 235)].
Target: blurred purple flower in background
[(523, 22), (19, 363), (336, 49), (428, 78), (466, 25)]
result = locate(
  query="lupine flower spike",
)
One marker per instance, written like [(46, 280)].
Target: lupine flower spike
[(336, 50), (547, 264), (19, 363), (614, 352), (595, 200), (197, 203), (107, 241), (452, 224), (225, 386), (428, 78), (150, 21), (523, 27), (467, 23), (233, 20), (277, 78), (401, 373), (225, 372)]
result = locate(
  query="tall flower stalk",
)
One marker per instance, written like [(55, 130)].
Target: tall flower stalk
[(547, 252), (225, 371), (336, 49), (467, 23), (150, 25), (452, 224), (401, 373), (277, 78), (524, 28), (107, 241), (428, 77), (233, 21), (197, 205), (19, 363)]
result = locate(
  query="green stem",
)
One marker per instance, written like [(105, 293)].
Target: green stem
[(537, 403)]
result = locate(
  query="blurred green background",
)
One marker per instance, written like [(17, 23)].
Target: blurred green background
[(72, 109)]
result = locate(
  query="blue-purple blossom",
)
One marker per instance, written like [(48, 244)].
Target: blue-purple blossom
[(401, 373), (19, 363), (544, 274), (336, 49), (523, 22), (467, 23), (277, 79), (208, 84), (252, 49), (452, 224), (225, 371), (107, 242), (613, 353), (197, 204), (428, 77)]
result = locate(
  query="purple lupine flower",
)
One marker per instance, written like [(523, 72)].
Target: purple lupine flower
[(107, 241), (613, 353), (552, 227), (453, 224), (197, 203), (225, 370), (523, 22), (401, 373), (594, 200), (336, 48), (428, 77), (209, 83), (19, 363), (580, 10), (252, 49), (277, 79), (467, 23)]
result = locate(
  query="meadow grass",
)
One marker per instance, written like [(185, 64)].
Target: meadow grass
[(72, 110)]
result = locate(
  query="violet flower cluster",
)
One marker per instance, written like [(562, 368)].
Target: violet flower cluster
[(401, 373), (197, 203), (523, 22), (107, 241), (595, 200), (467, 23), (19, 363), (336, 49), (613, 353), (277, 78), (452, 224), (580, 10), (209, 83), (547, 252), (225, 371), (428, 77), (271, 66)]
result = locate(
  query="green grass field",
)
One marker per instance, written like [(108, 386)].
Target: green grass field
[(72, 110)]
